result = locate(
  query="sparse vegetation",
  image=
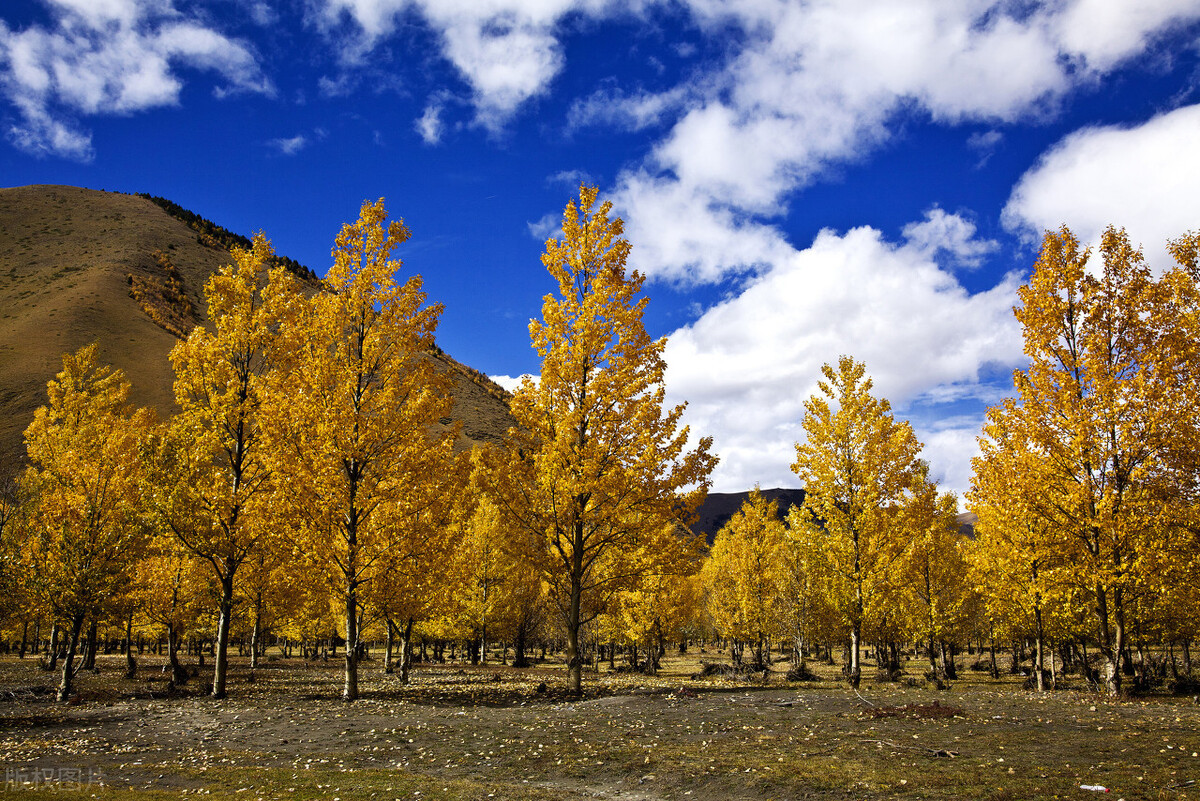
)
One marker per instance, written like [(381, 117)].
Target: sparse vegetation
[(162, 297), (454, 732)]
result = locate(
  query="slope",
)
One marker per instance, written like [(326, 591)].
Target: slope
[(80, 266)]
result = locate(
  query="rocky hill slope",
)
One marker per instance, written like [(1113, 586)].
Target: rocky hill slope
[(128, 271)]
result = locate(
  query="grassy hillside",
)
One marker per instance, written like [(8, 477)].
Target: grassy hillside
[(78, 265)]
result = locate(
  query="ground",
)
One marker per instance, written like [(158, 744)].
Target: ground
[(463, 732)]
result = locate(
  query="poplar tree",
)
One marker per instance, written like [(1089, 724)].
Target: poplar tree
[(1096, 428), (596, 467), (934, 586), (213, 477), (87, 531), (745, 576), (858, 465), (363, 467)]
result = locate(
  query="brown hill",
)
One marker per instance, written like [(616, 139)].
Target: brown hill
[(128, 271)]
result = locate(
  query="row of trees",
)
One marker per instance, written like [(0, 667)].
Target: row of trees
[(872, 552), (308, 483), (1087, 492), (309, 463)]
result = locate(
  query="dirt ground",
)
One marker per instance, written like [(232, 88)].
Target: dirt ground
[(463, 732)]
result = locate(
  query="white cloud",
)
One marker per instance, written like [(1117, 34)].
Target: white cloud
[(1142, 178), (262, 14), (985, 144), (511, 383), (682, 234), (940, 233), (290, 146), (631, 111), (949, 449), (429, 125), (748, 364), (820, 84), (1104, 33), (571, 180), (548, 227), (811, 82), (507, 51), (108, 57)]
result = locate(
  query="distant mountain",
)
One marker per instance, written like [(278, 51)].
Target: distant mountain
[(79, 265), (719, 507)]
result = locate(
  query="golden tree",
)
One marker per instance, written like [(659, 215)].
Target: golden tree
[(658, 607), (85, 518), (596, 467), (936, 593), (172, 588), (1019, 559), (416, 578), (361, 462), (13, 572), (1095, 425), (744, 577), (268, 592), (482, 570), (213, 480), (857, 466)]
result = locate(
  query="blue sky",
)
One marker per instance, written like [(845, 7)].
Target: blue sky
[(799, 179)]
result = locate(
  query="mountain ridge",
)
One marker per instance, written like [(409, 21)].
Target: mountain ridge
[(81, 265)]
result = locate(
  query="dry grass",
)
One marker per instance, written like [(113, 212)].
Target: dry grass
[(459, 731)]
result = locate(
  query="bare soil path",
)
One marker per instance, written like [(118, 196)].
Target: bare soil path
[(462, 732)]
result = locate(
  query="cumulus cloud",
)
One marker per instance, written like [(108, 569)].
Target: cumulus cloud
[(684, 235), (951, 234), (1142, 178), (507, 51), (511, 383), (747, 365), (108, 57), (820, 84)]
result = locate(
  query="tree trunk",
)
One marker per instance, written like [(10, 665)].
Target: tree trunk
[(68, 666), (1112, 637), (24, 638), (574, 658), (53, 660), (1053, 670), (350, 691), (519, 658), (221, 667), (89, 655), (178, 673), (406, 651), (256, 632), (854, 667), (130, 662), (387, 650)]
